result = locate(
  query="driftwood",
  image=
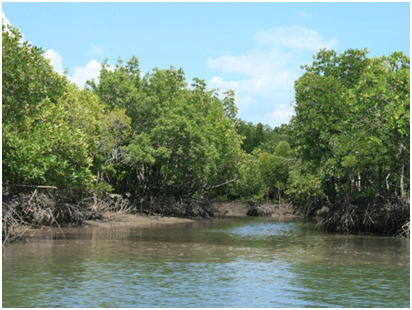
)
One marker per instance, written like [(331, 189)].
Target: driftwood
[(405, 231)]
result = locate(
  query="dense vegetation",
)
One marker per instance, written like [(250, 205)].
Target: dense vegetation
[(352, 136), (154, 143)]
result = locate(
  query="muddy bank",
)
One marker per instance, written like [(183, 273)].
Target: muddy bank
[(115, 219), (30, 211), (123, 219), (109, 219), (236, 208), (378, 216)]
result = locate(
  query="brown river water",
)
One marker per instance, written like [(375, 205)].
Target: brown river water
[(224, 263)]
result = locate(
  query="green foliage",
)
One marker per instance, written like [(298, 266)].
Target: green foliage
[(83, 111), (352, 124), (261, 136), (250, 185), (304, 186), (182, 141), (155, 137), (274, 168), (27, 80), (41, 144), (284, 159)]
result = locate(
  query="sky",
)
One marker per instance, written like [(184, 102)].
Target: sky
[(255, 49)]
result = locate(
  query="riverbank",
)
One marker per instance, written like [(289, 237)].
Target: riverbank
[(237, 208), (123, 219), (117, 219), (109, 219)]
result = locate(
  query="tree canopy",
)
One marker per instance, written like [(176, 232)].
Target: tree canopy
[(164, 143), (352, 124)]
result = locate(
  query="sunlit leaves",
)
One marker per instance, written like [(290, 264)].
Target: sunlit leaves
[(181, 142), (47, 133), (352, 117)]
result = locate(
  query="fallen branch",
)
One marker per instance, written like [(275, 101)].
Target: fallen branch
[(222, 184), (35, 186)]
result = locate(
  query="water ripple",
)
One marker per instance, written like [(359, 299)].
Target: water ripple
[(225, 264)]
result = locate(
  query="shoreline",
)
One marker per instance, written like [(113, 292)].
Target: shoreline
[(236, 208), (119, 219), (110, 220), (125, 219)]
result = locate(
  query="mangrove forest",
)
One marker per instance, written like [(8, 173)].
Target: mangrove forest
[(156, 143)]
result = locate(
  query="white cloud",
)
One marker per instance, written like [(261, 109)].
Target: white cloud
[(55, 60), (281, 115), (219, 82), (96, 50), (255, 62), (4, 19), (82, 74), (7, 22), (262, 72), (295, 37), (263, 79)]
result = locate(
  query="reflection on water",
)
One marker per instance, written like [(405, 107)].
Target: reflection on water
[(235, 262)]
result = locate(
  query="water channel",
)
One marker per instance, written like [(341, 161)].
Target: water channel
[(224, 263)]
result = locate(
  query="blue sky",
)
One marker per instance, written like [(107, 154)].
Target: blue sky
[(255, 49)]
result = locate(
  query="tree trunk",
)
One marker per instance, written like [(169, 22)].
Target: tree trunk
[(279, 194), (352, 180), (402, 170), (339, 187), (387, 182), (380, 173)]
